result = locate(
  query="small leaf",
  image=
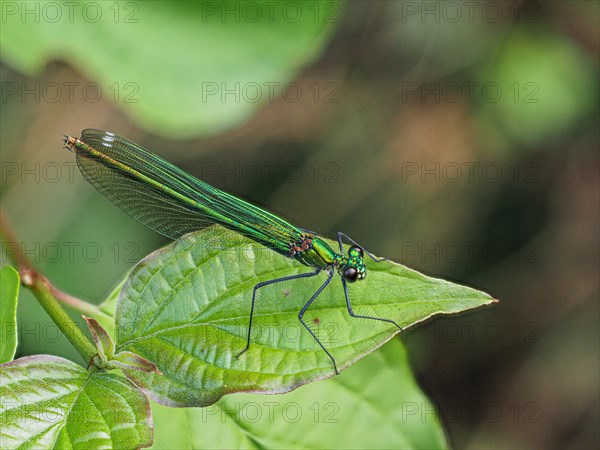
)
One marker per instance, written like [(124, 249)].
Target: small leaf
[(187, 310), (131, 361), (106, 311), (104, 343), (50, 402), (9, 292), (394, 413)]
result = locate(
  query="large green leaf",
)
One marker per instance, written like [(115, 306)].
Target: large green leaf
[(9, 292), (186, 307), (317, 415), (180, 68), (50, 402), (374, 404)]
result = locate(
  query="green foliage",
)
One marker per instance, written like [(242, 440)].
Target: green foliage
[(374, 404), (9, 292), (106, 357), (182, 311), (169, 63), (49, 402), (104, 343)]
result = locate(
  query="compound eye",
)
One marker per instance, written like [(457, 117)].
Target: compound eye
[(351, 274), (355, 250)]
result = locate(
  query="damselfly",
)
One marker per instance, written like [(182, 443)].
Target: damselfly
[(172, 202)]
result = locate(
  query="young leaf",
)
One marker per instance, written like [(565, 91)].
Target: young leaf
[(50, 402), (9, 292), (104, 343), (374, 404), (131, 361), (186, 309), (106, 310), (106, 358)]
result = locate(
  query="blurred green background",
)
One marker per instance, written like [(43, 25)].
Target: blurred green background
[(459, 138)]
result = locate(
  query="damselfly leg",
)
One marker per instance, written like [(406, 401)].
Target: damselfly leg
[(300, 314), (266, 283), (345, 285), (340, 234), (303, 310)]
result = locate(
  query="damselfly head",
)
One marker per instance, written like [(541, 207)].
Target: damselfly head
[(355, 268), (69, 142)]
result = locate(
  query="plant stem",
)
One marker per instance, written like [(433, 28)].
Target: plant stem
[(42, 290), (49, 296), (75, 303)]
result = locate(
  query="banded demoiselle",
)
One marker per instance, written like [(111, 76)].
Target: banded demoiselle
[(172, 202)]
